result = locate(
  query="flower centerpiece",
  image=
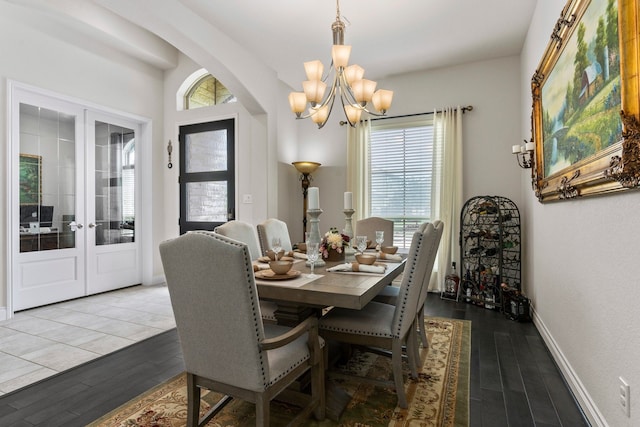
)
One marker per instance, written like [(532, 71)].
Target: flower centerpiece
[(333, 244)]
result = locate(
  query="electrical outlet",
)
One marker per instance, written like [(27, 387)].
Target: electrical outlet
[(247, 198), (625, 394)]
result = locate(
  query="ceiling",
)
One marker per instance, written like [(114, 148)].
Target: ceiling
[(388, 37)]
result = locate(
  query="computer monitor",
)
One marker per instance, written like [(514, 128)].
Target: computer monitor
[(29, 213)]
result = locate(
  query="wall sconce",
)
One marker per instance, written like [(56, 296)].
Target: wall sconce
[(524, 153), (305, 169)]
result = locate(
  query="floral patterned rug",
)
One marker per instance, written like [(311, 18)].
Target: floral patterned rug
[(439, 397)]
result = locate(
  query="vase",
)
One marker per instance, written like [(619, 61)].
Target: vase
[(335, 256)]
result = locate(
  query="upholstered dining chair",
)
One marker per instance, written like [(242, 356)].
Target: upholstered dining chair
[(387, 326), (271, 228), (369, 226), (389, 294), (225, 345), (246, 233)]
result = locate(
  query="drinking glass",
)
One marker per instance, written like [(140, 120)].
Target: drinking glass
[(313, 252), (361, 243), (379, 238), (276, 246)]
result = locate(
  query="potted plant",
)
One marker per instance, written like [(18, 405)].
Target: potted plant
[(333, 245)]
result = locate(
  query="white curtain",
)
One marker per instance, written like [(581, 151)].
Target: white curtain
[(358, 167), (446, 196)]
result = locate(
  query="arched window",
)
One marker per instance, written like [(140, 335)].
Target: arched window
[(207, 91)]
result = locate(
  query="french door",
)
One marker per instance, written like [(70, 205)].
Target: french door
[(74, 198)]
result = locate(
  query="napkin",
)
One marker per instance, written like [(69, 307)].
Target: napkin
[(354, 266), (300, 255), (389, 257), (257, 266)]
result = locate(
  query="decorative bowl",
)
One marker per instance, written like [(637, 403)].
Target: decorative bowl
[(272, 255), (280, 267), (302, 247), (366, 259), (389, 249)]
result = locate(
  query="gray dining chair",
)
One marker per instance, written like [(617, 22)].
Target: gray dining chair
[(270, 228), (389, 294), (246, 233), (369, 226), (225, 345), (387, 326)]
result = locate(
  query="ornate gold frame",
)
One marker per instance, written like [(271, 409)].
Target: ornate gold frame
[(616, 167)]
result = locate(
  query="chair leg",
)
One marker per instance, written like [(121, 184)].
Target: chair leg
[(193, 401), (423, 331), (413, 353), (396, 363), (262, 411)]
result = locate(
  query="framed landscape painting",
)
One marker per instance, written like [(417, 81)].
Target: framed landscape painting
[(30, 179), (587, 77)]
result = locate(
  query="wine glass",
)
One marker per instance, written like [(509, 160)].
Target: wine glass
[(379, 239), (276, 246), (313, 252), (361, 243)]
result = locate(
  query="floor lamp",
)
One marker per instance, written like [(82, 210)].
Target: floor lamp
[(305, 169)]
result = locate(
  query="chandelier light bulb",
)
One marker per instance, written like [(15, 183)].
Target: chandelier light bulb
[(345, 81)]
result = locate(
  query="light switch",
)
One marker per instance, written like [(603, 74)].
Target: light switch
[(247, 198)]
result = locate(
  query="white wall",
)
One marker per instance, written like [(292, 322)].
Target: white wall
[(76, 69), (489, 131), (583, 276)]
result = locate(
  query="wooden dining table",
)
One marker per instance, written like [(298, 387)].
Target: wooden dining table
[(302, 296)]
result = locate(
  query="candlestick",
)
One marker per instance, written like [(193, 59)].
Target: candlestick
[(348, 200), (314, 198), (348, 231), (314, 233)]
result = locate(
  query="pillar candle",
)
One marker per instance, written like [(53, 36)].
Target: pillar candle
[(314, 198), (348, 200), (530, 146), (515, 149)]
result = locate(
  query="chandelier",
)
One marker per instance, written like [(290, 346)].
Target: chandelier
[(347, 83)]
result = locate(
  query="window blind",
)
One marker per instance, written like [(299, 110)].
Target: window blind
[(401, 167)]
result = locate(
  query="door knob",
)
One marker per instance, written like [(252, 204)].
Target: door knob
[(75, 226)]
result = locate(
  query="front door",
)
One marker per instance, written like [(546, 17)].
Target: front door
[(207, 175)]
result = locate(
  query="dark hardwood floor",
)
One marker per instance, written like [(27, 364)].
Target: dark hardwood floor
[(514, 381)]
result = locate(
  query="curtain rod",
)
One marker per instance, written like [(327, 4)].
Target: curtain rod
[(464, 110)]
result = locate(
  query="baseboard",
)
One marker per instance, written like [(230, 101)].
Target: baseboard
[(157, 280), (588, 406)]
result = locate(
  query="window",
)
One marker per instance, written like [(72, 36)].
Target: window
[(207, 91), (401, 168)]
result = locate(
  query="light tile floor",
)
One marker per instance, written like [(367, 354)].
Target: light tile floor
[(41, 342)]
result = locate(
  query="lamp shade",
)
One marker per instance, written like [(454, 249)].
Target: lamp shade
[(340, 54), (363, 90), (314, 70), (353, 113), (314, 90), (297, 102), (382, 100), (306, 167), (319, 115), (353, 73)]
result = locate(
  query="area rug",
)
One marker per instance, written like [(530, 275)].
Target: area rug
[(438, 397)]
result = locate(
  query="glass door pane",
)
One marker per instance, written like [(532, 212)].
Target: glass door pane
[(114, 184), (47, 179)]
